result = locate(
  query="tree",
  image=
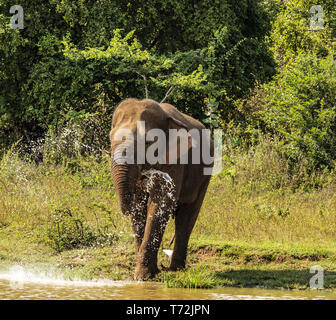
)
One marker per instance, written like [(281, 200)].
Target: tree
[(301, 108), (198, 48), (292, 34)]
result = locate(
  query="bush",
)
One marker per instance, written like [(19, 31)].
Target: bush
[(69, 231), (292, 34), (78, 134), (39, 81), (301, 108)]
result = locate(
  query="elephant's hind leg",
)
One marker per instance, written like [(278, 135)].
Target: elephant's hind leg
[(185, 219)]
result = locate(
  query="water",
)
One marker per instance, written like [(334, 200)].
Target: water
[(162, 189), (21, 284)]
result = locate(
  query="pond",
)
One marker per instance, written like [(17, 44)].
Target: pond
[(18, 283)]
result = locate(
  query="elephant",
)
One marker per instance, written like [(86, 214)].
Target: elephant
[(150, 208)]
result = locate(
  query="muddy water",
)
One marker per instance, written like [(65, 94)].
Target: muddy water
[(19, 284)]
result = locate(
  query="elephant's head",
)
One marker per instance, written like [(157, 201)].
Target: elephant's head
[(125, 145)]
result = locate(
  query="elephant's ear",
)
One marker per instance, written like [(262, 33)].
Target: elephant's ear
[(179, 142)]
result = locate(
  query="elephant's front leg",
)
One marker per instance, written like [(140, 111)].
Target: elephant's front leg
[(157, 218), (138, 221), (138, 218)]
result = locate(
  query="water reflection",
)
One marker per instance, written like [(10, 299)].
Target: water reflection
[(18, 283)]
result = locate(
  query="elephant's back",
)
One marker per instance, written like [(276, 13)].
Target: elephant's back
[(189, 121)]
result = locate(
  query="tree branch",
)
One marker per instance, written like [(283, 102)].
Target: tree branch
[(146, 88), (168, 94)]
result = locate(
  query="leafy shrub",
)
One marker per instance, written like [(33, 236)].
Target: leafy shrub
[(211, 114), (78, 134), (301, 108), (291, 32), (69, 231), (13, 168), (39, 82)]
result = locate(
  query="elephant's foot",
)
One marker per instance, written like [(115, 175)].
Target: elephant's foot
[(176, 265), (143, 273)]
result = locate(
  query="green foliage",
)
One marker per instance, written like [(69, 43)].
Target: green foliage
[(197, 277), (270, 212), (69, 231), (92, 173), (125, 57), (77, 135), (292, 34), (212, 114), (301, 108), (208, 48), (252, 230), (18, 55)]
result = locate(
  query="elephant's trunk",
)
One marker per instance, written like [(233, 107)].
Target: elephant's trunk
[(120, 176), (123, 176)]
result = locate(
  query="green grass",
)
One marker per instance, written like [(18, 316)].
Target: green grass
[(242, 264), (258, 226)]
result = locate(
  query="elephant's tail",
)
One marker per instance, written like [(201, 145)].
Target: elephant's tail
[(172, 240)]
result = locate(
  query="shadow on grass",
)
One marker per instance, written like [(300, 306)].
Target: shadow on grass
[(288, 279)]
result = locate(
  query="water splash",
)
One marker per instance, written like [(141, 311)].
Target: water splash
[(162, 189), (18, 276)]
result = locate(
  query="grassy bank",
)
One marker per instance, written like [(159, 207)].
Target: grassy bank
[(258, 226)]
